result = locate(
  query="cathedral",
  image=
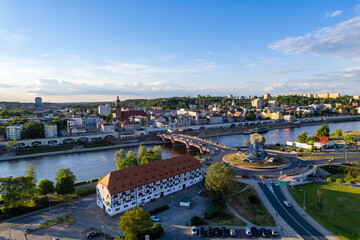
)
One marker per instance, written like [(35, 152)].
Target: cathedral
[(125, 115)]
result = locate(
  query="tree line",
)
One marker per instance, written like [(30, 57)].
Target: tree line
[(131, 159), (19, 190)]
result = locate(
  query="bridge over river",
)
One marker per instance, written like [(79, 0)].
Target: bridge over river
[(204, 145)]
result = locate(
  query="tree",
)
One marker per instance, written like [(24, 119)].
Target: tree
[(11, 144), (15, 191), (195, 221), (323, 131), (151, 155), (338, 132), (349, 139), (158, 152), (2, 130), (246, 143), (65, 185), (30, 171), (302, 137), (33, 130), (220, 179), (133, 222), (122, 161), (45, 187), (119, 157), (141, 152), (65, 172)]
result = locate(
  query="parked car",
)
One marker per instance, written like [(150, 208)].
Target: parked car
[(248, 232), (273, 232), (264, 233), (224, 231), (232, 232), (255, 232), (287, 204), (155, 218), (92, 234), (202, 232), (217, 231), (194, 230), (210, 232)]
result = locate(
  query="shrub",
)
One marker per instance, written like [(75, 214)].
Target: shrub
[(339, 180), (156, 231), (329, 179), (277, 144), (213, 212), (253, 199), (350, 183), (159, 209), (195, 221), (41, 202)]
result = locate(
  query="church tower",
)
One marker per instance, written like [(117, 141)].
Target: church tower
[(118, 109)]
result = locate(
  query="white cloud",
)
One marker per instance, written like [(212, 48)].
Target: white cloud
[(340, 41), (333, 14), (283, 71)]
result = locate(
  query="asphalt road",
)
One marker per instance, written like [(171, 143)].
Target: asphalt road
[(290, 215)]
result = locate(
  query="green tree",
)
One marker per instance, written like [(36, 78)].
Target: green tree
[(220, 179), (338, 132), (246, 143), (65, 185), (30, 171), (158, 152), (131, 159), (323, 131), (349, 139), (65, 172), (33, 130), (11, 144), (16, 191), (45, 187), (141, 152), (133, 222), (302, 137), (2, 130), (119, 159)]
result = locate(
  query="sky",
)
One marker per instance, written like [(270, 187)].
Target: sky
[(68, 51)]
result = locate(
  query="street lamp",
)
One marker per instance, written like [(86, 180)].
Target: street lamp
[(301, 190), (49, 206)]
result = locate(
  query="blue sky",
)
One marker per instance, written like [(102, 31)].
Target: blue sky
[(95, 50)]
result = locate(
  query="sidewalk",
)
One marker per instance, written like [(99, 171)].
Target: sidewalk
[(306, 216), (284, 227)]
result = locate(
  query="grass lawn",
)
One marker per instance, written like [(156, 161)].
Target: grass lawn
[(318, 156), (69, 219), (340, 211), (255, 213), (236, 159), (44, 149), (227, 219)]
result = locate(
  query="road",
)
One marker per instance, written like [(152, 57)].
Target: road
[(290, 215)]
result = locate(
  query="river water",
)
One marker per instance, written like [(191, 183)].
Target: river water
[(89, 165)]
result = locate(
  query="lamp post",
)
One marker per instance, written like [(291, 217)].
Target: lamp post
[(49, 206), (301, 190)]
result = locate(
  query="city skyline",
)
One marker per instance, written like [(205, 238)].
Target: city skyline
[(137, 49)]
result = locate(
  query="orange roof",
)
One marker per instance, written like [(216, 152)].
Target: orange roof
[(129, 178)]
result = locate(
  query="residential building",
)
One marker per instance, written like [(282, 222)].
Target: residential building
[(38, 102), (356, 97), (289, 118), (107, 128), (273, 103), (14, 131), (77, 129), (121, 190), (125, 115), (104, 109), (257, 103), (51, 131), (267, 96)]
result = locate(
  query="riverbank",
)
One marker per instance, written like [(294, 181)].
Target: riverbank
[(228, 133), (80, 150)]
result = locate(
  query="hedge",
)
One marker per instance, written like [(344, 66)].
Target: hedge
[(159, 209)]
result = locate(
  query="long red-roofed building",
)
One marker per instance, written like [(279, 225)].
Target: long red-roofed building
[(121, 190)]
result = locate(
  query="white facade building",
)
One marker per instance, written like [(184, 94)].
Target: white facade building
[(127, 188), (257, 103), (104, 109), (13, 131), (51, 131), (107, 128)]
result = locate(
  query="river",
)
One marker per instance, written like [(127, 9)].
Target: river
[(89, 165)]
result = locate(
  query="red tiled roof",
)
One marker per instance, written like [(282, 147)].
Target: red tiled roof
[(129, 178)]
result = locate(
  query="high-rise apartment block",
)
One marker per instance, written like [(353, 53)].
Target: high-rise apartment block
[(51, 131), (13, 131), (38, 102), (104, 109), (257, 103)]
